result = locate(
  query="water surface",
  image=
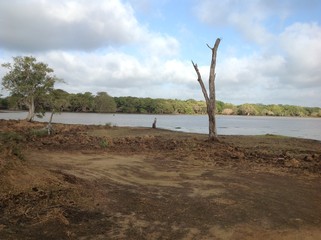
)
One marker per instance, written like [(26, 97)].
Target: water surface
[(226, 125)]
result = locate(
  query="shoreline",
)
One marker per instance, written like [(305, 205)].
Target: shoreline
[(305, 128)]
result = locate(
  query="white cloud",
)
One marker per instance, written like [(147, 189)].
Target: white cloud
[(302, 47), (31, 26), (101, 46), (284, 66), (63, 32), (159, 45), (116, 71), (247, 17), (267, 77), (179, 72), (255, 20), (46, 25), (292, 75)]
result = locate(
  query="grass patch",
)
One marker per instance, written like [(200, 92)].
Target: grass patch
[(16, 151), (103, 143), (7, 137), (268, 135), (39, 132), (10, 144)]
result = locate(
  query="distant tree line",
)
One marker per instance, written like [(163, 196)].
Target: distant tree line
[(102, 102)]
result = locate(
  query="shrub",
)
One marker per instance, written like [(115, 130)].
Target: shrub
[(103, 143)]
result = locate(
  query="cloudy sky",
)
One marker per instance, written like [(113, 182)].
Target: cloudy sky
[(270, 50)]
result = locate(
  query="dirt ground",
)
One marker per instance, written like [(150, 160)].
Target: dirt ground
[(101, 182)]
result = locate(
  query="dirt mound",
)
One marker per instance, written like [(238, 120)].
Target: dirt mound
[(289, 154)]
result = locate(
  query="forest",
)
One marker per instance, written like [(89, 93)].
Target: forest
[(102, 102)]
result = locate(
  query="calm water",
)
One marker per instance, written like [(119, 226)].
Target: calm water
[(226, 125)]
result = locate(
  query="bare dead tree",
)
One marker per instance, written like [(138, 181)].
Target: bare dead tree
[(210, 98)]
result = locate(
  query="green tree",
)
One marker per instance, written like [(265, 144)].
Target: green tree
[(56, 101), (276, 109), (59, 100), (198, 107), (219, 107), (14, 102), (165, 106), (4, 103), (82, 102), (128, 104), (104, 103), (247, 109), (30, 80)]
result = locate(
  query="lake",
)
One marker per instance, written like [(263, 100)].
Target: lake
[(226, 125)]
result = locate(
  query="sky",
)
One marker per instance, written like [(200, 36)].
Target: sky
[(270, 50)]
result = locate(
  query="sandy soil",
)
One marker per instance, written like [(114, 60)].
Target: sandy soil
[(97, 182)]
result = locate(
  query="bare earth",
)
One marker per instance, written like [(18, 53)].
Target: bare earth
[(97, 182)]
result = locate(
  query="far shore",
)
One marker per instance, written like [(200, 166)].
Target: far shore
[(159, 114)]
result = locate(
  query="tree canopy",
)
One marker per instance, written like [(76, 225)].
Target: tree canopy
[(104, 103), (29, 81), (60, 100)]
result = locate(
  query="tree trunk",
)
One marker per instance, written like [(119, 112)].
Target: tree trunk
[(212, 126), (31, 109), (210, 99), (49, 125), (51, 116)]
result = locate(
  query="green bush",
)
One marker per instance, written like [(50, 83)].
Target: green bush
[(39, 132), (103, 143), (11, 137)]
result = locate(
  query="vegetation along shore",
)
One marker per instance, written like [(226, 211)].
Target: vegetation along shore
[(103, 102)]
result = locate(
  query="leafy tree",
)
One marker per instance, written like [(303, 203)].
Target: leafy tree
[(165, 106), (219, 106), (294, 111), (59, 100), (82, 102), (14, 102), (29, 80), (56, 101), (4, 103), (128, 104), (148, 105), (247, 109), (198, 107), (276, 109), (104, 103), (75, 105)]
